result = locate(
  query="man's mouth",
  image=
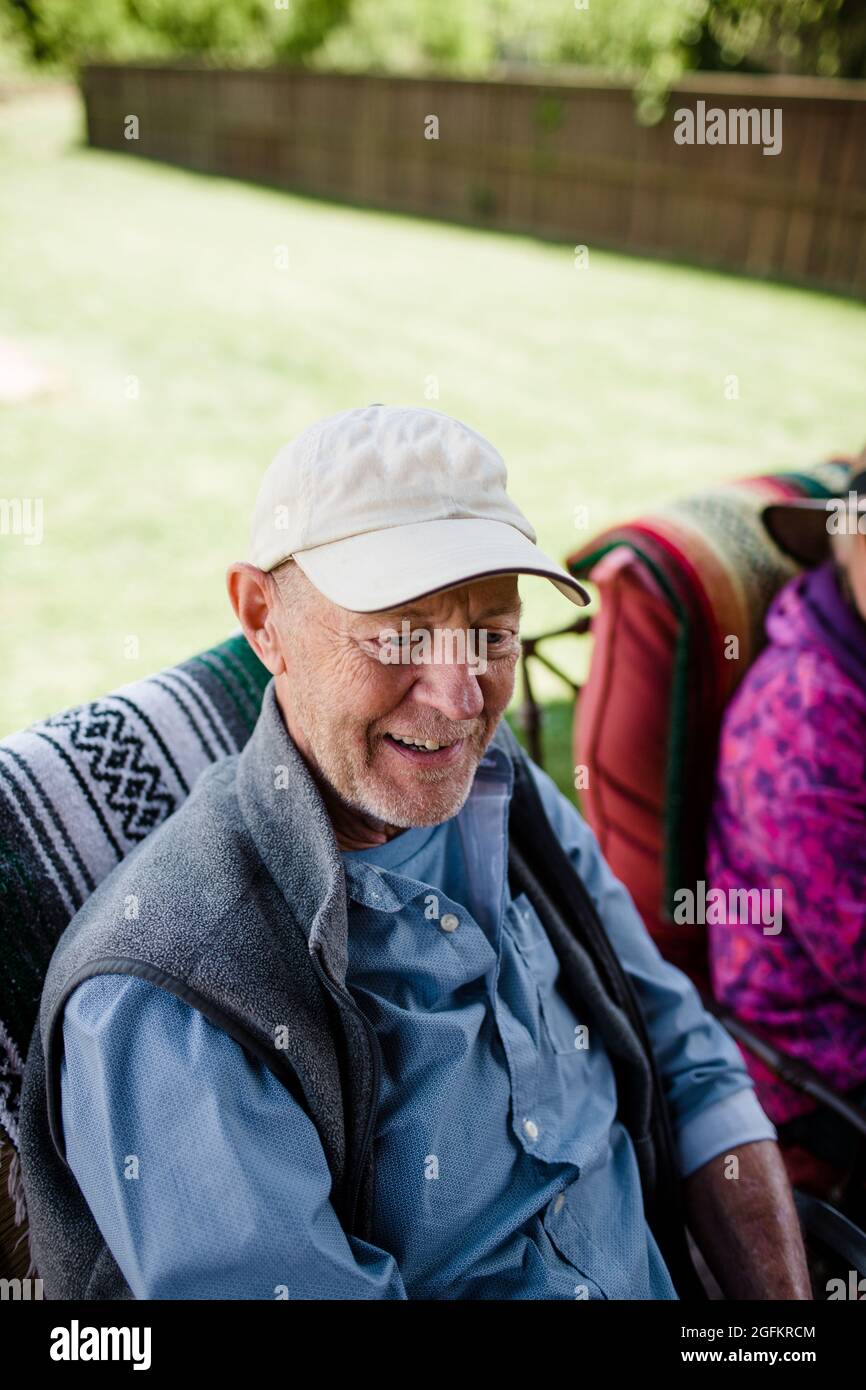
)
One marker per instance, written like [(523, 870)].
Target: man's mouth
[(427, 751)]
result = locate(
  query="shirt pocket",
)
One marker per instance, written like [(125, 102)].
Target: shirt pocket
[(541, 961), (572, 1245)]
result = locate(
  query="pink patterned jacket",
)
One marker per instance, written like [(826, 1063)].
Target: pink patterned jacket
[(790, 813)]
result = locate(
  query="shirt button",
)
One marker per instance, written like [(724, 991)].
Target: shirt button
[(557, 1206), (530, 1129), (448, 922)]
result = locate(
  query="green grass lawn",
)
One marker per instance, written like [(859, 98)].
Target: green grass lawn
[(602, 388)]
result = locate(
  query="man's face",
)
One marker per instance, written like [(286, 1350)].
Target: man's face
[(350, 712)]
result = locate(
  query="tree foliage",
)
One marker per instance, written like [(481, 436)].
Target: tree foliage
[(656, 39)]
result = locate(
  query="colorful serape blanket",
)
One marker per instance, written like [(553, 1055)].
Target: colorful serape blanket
[(719, 569), (81, 789)]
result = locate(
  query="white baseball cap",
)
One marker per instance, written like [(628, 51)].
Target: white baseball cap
[(385, 504)]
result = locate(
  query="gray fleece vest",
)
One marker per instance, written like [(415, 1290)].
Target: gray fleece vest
[(237, 904)]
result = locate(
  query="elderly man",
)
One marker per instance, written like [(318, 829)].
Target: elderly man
[(382, 1024)]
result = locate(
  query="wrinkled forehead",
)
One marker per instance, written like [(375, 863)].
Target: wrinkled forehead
[(478, 600)]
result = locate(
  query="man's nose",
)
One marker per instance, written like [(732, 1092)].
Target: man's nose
[(451, 688)]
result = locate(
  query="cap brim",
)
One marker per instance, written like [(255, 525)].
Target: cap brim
[(384, 569), (800, 527)]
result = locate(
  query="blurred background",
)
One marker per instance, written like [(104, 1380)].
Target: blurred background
[(281, 232)]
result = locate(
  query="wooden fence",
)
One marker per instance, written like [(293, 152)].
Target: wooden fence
[(555, 157)]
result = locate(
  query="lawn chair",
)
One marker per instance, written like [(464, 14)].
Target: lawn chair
[(683, 596)]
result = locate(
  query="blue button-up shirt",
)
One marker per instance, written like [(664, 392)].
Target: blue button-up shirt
[(501, 1169)]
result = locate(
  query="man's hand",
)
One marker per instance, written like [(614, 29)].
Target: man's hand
[(747, 1227)]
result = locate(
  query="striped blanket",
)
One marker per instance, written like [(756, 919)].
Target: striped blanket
[(81, 789), (719, 570)]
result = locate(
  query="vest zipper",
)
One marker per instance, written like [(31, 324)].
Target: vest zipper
[(343, 998)]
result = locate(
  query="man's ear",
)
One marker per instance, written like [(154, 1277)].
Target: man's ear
[(255, 599)]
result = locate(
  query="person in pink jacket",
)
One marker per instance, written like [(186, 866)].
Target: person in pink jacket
[(789, 814)]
